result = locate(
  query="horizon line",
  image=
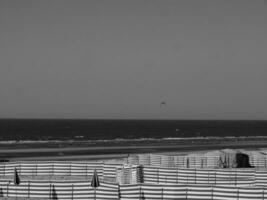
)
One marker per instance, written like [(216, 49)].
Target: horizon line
[(130, 119)]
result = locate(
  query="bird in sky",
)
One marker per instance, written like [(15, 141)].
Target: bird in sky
[(163, 103)]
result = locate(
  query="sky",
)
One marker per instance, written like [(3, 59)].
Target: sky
[(119, 59)]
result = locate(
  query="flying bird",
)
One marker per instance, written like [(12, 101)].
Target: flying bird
[(163, 103)]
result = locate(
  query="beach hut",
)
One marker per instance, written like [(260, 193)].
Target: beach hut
[(144, 159), (129, 174), (213, 159), (155, 160), (228, 158), (195, 160), (133, 160), (256, 158), (179, 161), (235, 159), (242, 160), (167, 161)]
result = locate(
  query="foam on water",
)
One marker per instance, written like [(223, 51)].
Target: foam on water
[(127, 140)]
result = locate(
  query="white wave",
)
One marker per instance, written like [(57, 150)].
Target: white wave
[(128, 140)]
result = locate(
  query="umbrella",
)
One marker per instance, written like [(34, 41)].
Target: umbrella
[(95, 182), (16, 177)]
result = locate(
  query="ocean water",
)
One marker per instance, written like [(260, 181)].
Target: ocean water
[(32, 130)]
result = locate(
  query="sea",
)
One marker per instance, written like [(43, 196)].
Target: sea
[(21, 130)]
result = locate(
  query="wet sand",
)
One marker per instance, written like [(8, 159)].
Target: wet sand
[(80, 150)]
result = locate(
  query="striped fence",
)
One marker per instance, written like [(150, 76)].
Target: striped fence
[(258, 161), (52, 168), (156, 175), (208, 160), (175, 161), (58, 190), (110, 170), (106, 191), (105, 171), (152, 175), (260, 178)]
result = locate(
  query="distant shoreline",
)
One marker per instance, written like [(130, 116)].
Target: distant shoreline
[(99, 150)]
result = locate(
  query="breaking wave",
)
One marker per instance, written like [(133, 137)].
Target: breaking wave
[(127, 140)]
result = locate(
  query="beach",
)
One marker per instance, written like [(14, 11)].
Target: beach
[(82, 150), (64, 170)]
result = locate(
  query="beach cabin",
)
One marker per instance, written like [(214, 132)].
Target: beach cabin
[(129, 174)]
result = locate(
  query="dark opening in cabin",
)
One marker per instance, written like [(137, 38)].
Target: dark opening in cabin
[(242, 161)]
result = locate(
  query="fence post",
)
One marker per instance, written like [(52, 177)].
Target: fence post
[(162, 193), (211, 192), (53, 169), (195, 175), (186, 192), (7, 189), (29, 184), (177, 175), (94, 193), (36, 171), (237, 194), (215, 176), (140, 193), (119, 191), (72, 188), (158, 175), (16, 191), (235, 177), (4, 169), (187, 178), (208, 177), (50, 192)]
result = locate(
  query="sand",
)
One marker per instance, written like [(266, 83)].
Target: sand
[(115, 152), (120, 150)]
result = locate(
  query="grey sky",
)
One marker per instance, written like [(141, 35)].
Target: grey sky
[(119, 59)]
